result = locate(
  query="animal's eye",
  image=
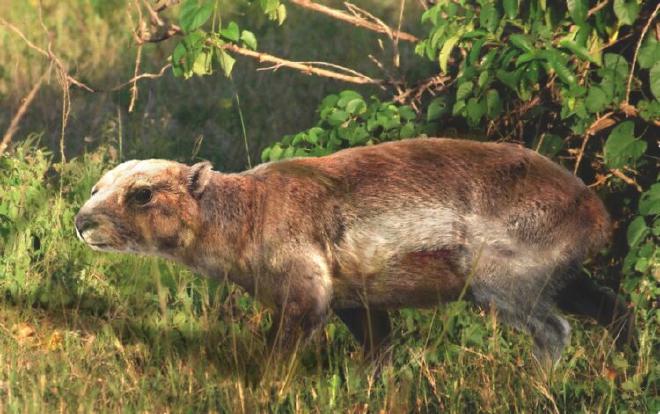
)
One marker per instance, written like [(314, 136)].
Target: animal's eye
[(94, 190), (142, 196)]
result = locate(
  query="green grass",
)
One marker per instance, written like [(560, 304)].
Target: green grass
[(101, 332)]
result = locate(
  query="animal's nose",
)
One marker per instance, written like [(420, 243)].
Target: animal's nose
[(84, 222)]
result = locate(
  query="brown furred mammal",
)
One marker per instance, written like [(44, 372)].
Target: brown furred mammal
[(402, 224)]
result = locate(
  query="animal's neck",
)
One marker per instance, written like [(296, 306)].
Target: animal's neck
[(225, 242)]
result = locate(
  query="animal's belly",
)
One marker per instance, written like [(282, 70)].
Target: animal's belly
[(415, 279)]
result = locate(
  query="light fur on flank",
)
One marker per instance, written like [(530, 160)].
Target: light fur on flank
[(404, 224)]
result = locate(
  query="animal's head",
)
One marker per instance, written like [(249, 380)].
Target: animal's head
[(149, 206)]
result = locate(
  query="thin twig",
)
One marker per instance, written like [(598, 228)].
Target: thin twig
[(134, 88), (597, 8), (619, 174), (302, 67), (47, 53), (639, 44), (13, 125), (354, 20), (596, 126), (140, 76)]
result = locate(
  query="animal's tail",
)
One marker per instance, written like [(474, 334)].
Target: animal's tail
[(582, 296)]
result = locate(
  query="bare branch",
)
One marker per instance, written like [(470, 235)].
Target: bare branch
[(13, 125), (630, 181), (354, 20), (47, 53), (639, 44), (306, 68)]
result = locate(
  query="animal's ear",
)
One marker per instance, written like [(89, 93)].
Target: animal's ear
[(199, 177)]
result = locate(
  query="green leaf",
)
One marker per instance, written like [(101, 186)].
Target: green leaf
[(564, 73), (202, 65), (475, 110), (231, 32), (226, 62), (446, 50), (578, 9), (621, 147), (493, 103), (626, 11), (337, 117), (510, 8), (521, 42), (193, 15), (248, 38), (265, 154), (580, 51), (356, 106), (637, 230), (281, 14), (649, 203), (436, 109), (407, 113), (276, 152), (597, 100), (649, 53), (489, 17), (654, 78), (550, 146), (464, 90)]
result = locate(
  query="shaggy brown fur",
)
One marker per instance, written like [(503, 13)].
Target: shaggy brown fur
[(402, 224)]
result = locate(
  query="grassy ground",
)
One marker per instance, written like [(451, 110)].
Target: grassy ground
[(85, 331)]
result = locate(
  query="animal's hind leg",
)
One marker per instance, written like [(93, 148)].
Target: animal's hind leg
[(582, 296), (549, 331)]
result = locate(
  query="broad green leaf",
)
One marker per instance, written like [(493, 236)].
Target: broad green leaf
[(231, 32), (649, 203), (356, 106), (276, 152), (626, 11), (475, 110), (580, 51), (622, 147), (550, 145), (337, 117), (265, 154), (248, 38), (445, 52), (202, 65), (493, 103), (578, 10), (597, 99), (654, 78), (616, 63), (407, 113), (510, 8), (510, 79), (521, 42), (464, 90), (649, 110), (649, 53), (226, 62), (436, 108), (637, 230), (564, 73), (489, 17), (194, 15)]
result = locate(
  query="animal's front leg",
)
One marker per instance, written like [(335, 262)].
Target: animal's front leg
[(304, 291)]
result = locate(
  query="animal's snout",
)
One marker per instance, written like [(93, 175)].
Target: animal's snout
[(84, 222)]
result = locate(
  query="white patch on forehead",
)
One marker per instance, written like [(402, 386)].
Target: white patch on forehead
[(128, 168)]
